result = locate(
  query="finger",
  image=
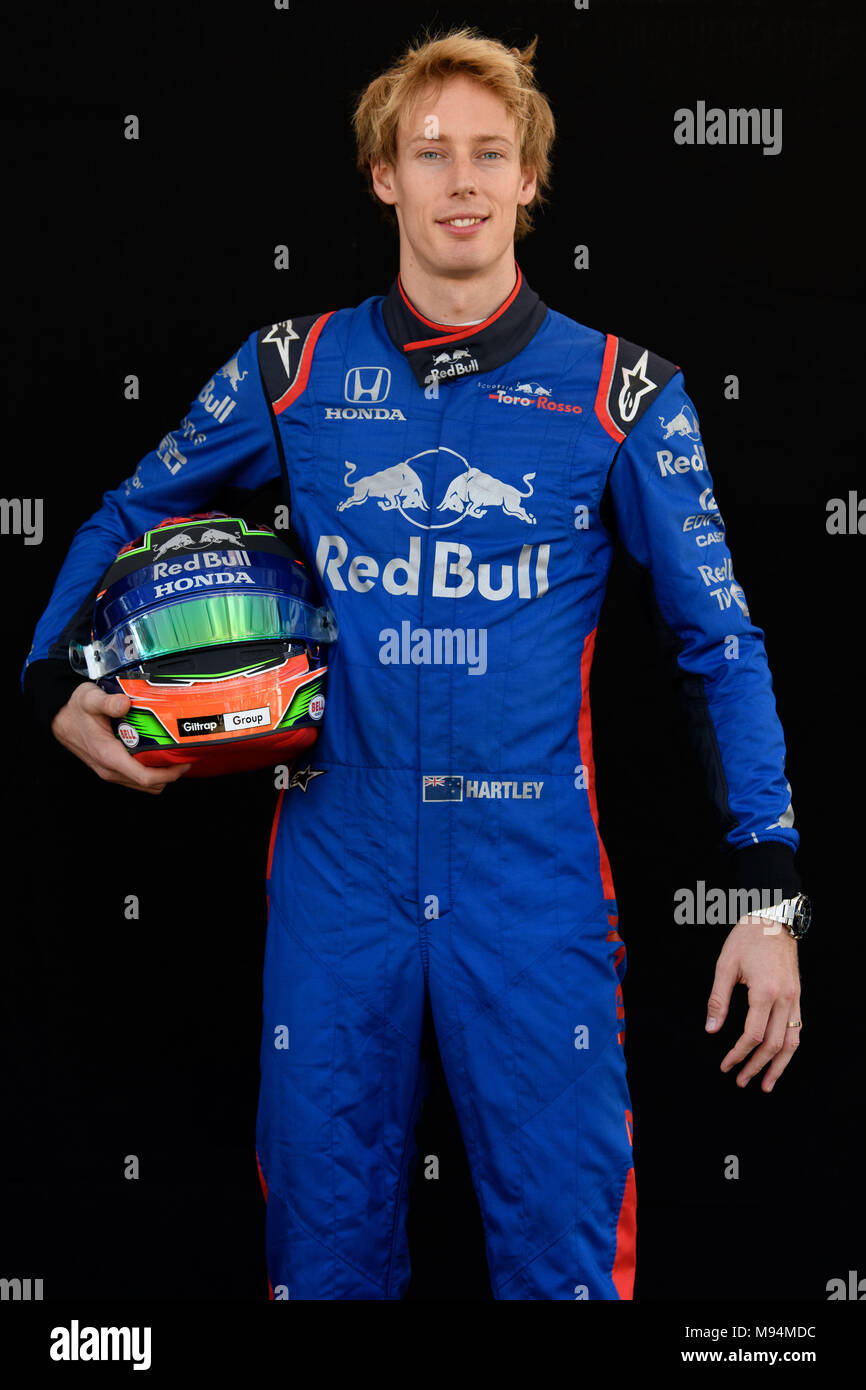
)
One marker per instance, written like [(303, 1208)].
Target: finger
[(753, 1031), (117, 705), (99, 709), (96, 701), (137, 786), (720, 995), (118, 765), (789, 1047), (774, 1039), (145, 776), (155, 779), (168, 776)]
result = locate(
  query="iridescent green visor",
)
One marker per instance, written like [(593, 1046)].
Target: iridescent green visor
[(193, 623)]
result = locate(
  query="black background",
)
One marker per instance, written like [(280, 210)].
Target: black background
[(155, 257)]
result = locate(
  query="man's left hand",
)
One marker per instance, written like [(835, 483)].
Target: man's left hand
[(762, 955)]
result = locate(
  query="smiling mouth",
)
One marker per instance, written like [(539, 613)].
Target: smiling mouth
[(460, 221)]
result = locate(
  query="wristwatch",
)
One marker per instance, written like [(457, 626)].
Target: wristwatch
[(794, 913)]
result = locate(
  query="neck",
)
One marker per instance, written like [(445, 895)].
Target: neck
[(459, 296)]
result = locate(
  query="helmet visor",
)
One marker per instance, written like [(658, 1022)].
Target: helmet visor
[(210, 621)]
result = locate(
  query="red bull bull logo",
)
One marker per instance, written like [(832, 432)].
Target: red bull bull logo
[(446, 365), (684, 423), (471, 492), (396, 487), (232, 373)]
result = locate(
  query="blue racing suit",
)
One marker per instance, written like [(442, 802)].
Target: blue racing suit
[(459, 490)]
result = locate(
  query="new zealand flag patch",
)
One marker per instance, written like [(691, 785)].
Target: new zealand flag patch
[(448, 788)]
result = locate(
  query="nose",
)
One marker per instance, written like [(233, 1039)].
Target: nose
[(463, 176)]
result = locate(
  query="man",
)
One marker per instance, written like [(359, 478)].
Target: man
[(459, 459)]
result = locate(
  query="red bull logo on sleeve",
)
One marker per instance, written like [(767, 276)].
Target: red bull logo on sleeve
[(233, 375), (715, 577), (220, 407), (684, 423), (669, 465)]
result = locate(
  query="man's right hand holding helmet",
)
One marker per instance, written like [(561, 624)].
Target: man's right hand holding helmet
[(83, 725)]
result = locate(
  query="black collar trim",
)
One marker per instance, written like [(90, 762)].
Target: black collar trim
[(443, 352)]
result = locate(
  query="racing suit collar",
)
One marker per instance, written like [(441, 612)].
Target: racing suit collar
[(446, 352)]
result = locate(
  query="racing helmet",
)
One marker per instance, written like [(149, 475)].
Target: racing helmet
[(216, 632)]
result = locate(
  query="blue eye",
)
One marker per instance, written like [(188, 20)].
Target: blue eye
[(437, 154)]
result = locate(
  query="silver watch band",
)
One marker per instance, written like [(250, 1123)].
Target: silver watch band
[(780, 912)]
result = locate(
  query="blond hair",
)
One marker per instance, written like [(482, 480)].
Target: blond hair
[(507, 72)]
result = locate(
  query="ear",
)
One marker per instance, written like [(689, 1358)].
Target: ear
[(383, 185), (528, 186)]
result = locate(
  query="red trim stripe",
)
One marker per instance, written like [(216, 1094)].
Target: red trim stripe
[(626, 1240), (614, 935), (274, 825), (265, 1191), (601, 395), (262, 1178), (303, 373), (584, 731), (455, 337)]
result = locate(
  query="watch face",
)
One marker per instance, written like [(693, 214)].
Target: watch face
[(802, 917)]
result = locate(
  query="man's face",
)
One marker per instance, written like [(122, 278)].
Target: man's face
[(457, 161)]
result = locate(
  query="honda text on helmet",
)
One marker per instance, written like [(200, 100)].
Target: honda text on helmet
[(216, 632)]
